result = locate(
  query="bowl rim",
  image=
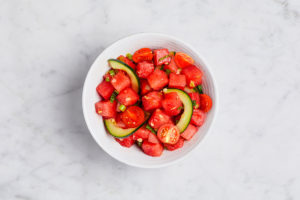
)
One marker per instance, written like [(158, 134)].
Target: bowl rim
[(209, 70)]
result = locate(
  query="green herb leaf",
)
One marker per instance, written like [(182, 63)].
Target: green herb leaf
[(107, 79), (199, 89), (111, 72), (151, 129), (129, 56), (194, 103), (162, 58), (168, 71), (179, 108), (113, 96), (139, 143), (161, 67)]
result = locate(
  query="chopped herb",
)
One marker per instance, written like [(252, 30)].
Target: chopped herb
[(194, 103), (179, 108), (129, 56), (111, 72), (139, 143), (172, 53), (161, 67), (139, 140), (113, 96), (150, 128), (122, 108), (199, 89), (168, 71), (107, 79), (162, 58), (192, 84)]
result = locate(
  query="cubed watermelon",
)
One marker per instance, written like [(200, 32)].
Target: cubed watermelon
[(106, 108), (172, 104), (158, 79), (120, 81), (189, 132), (177, 81), (128, 97), (152, 100), (161, 56), (159, 118), (105, 89), (144, 69), (193, 75)]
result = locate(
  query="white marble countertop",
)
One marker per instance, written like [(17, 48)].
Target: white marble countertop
[(252, 152)]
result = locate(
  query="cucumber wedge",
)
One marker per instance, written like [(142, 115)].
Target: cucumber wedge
[(118, 132), (186, 116), (117, 64)]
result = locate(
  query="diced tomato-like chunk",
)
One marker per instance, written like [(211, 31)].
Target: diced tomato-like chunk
[(172, 147), (161, 56), (133, 116), (152, 100), (195, 98), (127, 61), (183, 60), (128, 97), (193, 75), (177, 81), (106, 108), (158, 79), (120, 81), (145, 87), (189, 132), (143, 54), (125, 142), (105, 89), (172, 104), (152, 149), (144, 69), (205, 102), (198, 117), (171, 66), (153, 138), (159, 118), (168, 134), (141, 133)]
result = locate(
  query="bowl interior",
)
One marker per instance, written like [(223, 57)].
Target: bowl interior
[(134, 156)]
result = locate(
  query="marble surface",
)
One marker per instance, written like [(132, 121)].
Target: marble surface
[(252, 152)]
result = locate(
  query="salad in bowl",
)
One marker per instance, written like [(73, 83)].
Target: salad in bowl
[(151, 104)]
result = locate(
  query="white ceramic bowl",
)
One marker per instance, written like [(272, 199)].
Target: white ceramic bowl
[(134, 156)]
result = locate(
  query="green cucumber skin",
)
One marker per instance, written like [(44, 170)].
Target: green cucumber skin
[(190, 102), (116, 136), (136, 76)]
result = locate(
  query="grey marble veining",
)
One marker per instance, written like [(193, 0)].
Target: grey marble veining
[(252, 152)]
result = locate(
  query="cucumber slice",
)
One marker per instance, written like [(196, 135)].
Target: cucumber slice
[(117, 64), (118, 132), (186, 116)]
